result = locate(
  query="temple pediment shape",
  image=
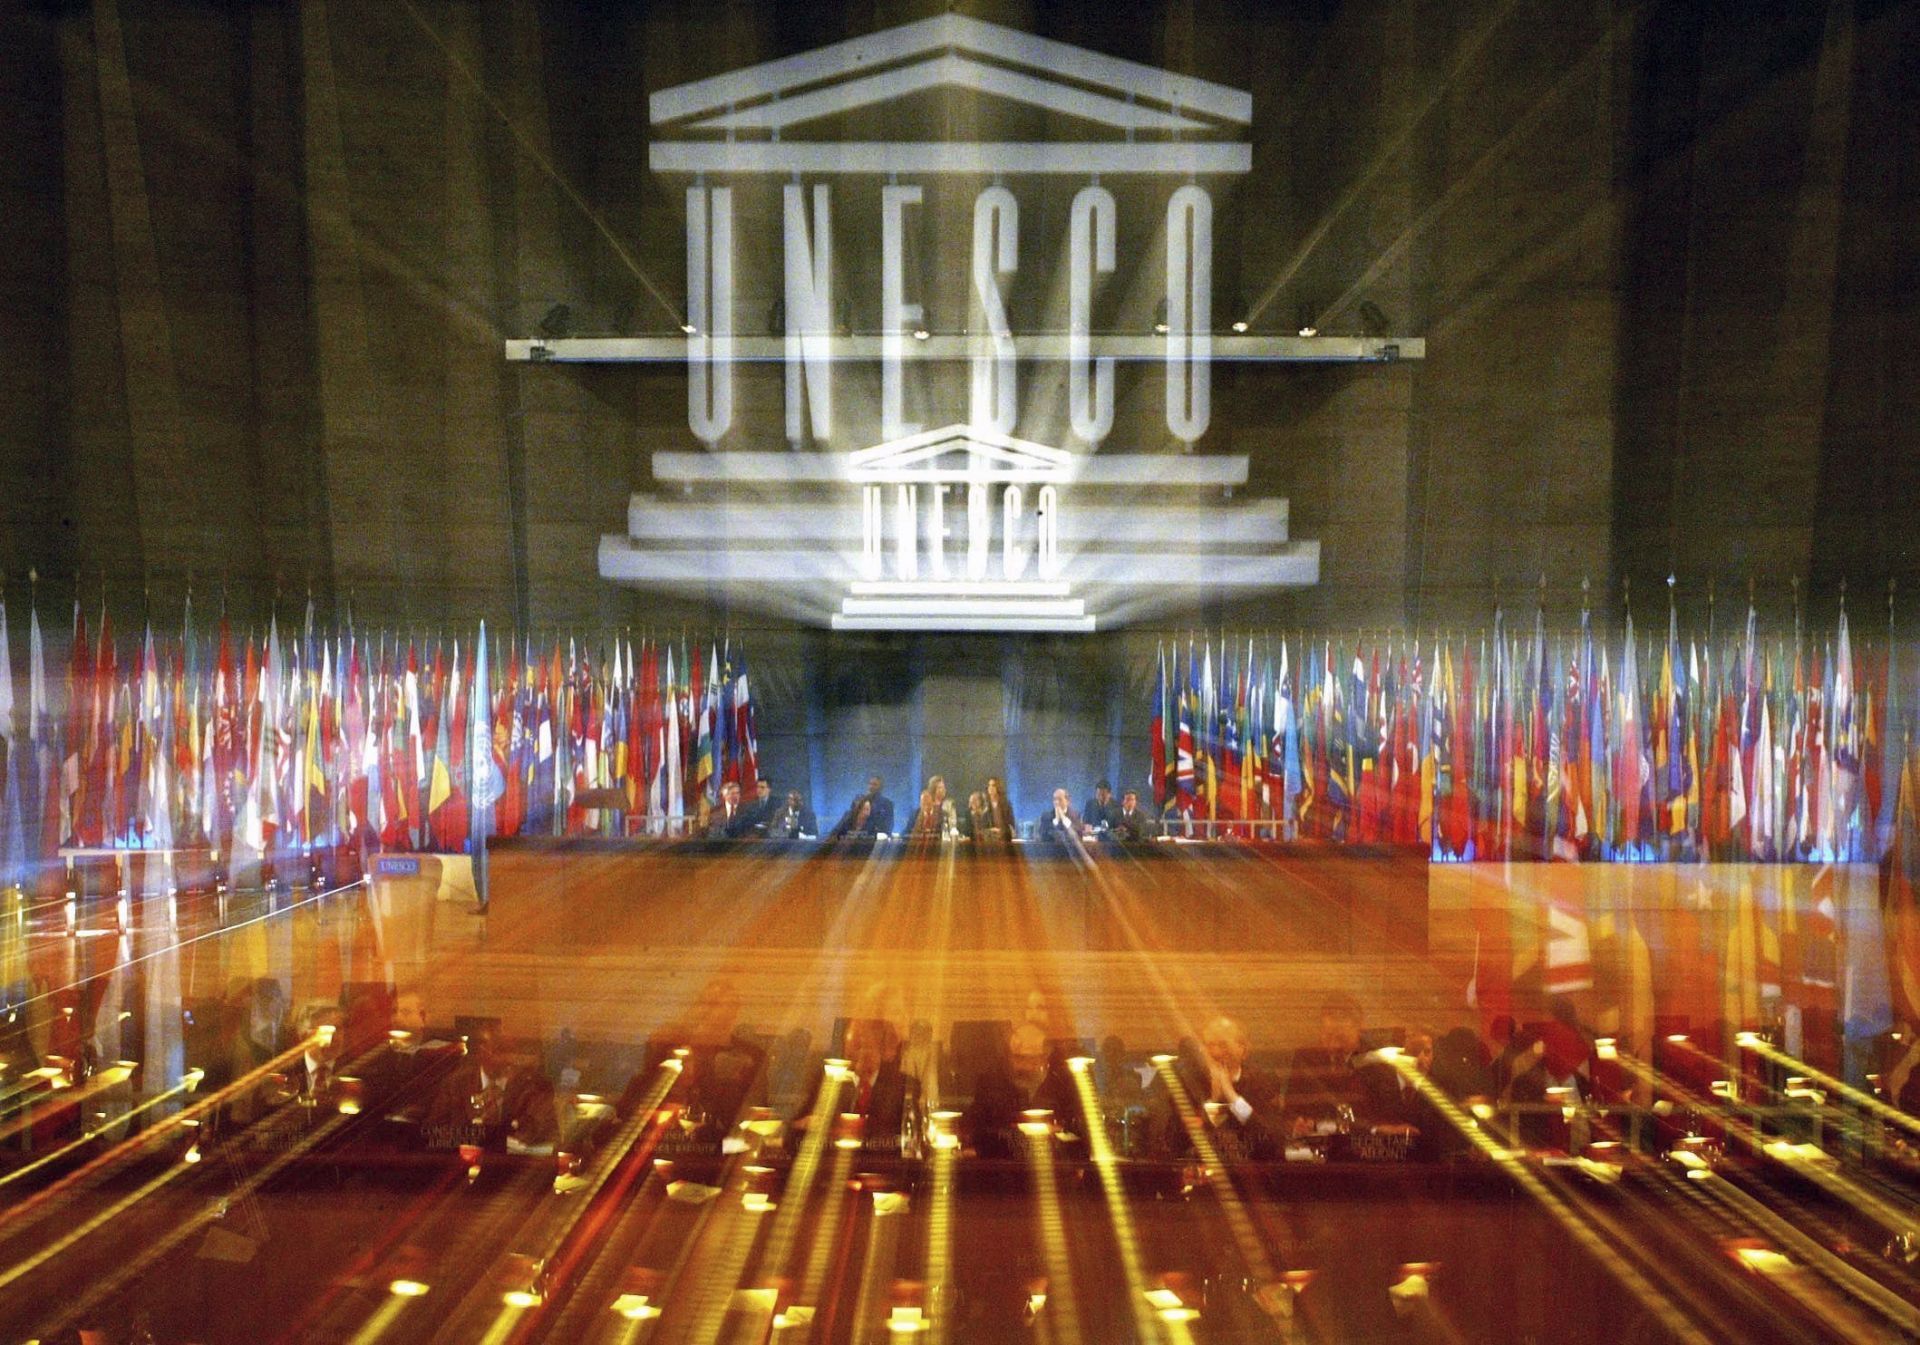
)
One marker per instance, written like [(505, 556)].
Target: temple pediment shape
[(962, 454)]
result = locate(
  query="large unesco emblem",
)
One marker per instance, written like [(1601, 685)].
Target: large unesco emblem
[(966, 526)]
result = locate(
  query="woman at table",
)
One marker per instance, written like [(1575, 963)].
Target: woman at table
[(935, 818), (997, 827)]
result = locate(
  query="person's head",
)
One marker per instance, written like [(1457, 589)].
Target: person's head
[(1340, 1018), (763, 789), (1420, 1048), (994, 789), (320, 1027), (862, 811), (730, 792), (871, 1043), (1225, 1042), (976, 802), (410, 1012), (483, 1045), (873, 784), (1035, 1011), (1027, 1056), (266, 1007), (1130, 800), (1103, 791), (1060, 800), (714, 1012), (937, 787), (793, 799)]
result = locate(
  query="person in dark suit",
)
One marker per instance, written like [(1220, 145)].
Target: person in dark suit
[(792, 819), (1130, 822), (1239, 1106), (999, 826), (311, 1078), (1059, 825), (728, 820), (507, 1104), (406, 1071), (1031, 1077), (1101, 808), (880, 1093), (1336, 1084), (720, 1077), (758, 811), (870, 814)]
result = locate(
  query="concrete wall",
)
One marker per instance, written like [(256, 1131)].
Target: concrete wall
[(260, 260)]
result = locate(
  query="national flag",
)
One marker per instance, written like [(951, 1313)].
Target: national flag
[(1900, 895)]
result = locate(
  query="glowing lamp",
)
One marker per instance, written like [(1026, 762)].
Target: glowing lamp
[(907, 1321), (635, 1308), (407, 1289)]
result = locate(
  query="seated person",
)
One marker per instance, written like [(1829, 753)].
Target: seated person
[(404, 1072), (1240, 1106), (856, 823), (870, 814), (1000, 828), (489, 1099), (729, 819), (792, 819), (935, 819), (1546, 1055), (978, 821), (758, 810), (1059, 825), (311, 1077), (1101, 808), (722, 1076), (881, 1094), (1030, 1077), (1334, 1086), (1130, 822)]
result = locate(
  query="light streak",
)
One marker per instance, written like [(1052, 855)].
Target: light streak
[(1239, 1223), (172, 949), (1053, 1233), (883, 1240), (111, 1077), (939, 1256), (109, 1285), (1809, 1161), (188, 1082), (1760, 1046), (1577, 1228), (1106, 1164), (134, 1143), (610, 1160), (1782, 1231)]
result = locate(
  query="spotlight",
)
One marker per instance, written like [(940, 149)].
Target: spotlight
[(1240, 324), (407, 1289), (921, 334), (1309, 330), (689, 329)]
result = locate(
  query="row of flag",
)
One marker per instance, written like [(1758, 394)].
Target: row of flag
[(1516, 745), (345, 742)]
